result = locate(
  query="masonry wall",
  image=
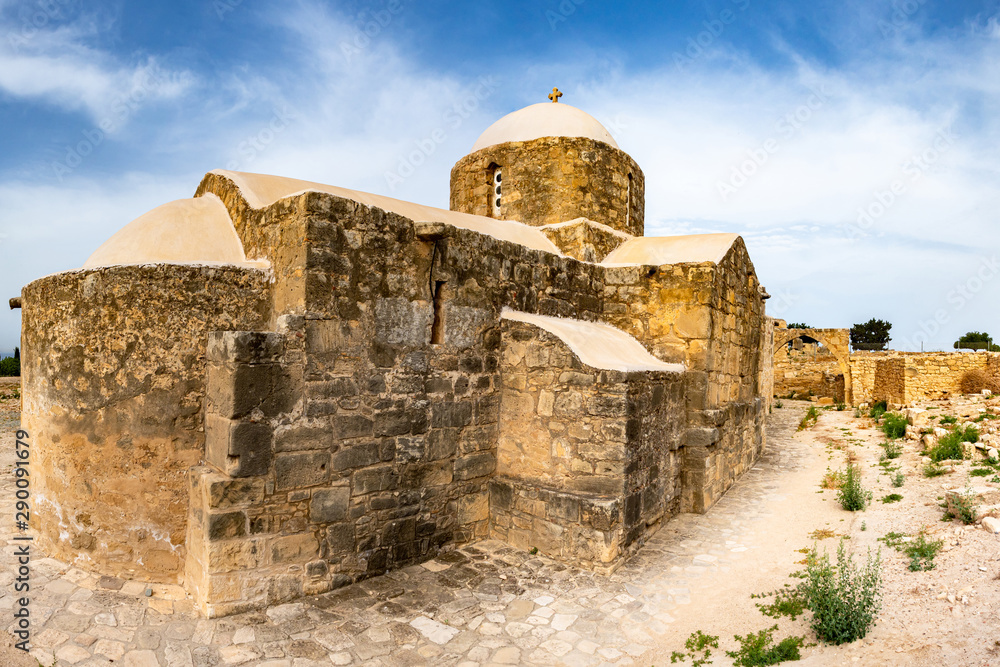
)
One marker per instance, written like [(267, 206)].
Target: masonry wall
[(905, 377), (113, 370), (551, 180), (710, 318), (939, 375), (588, 458), (805, 372), (394, 434)]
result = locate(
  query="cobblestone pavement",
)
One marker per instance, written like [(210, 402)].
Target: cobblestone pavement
[(486, 604)]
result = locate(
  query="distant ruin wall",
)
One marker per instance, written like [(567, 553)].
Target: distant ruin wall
[(806, 373), (113, 371), (905, 377)]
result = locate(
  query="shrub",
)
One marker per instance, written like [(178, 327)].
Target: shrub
[(894, 425), (974, 381), (853, 496), (832, 480), (788, 601), (934, 470), (759, 649), (952, 445), (779, 404), (892, 450), (844, 600), (980, 472), (922, 552), (892, 498), (965, 507), (948, 419), (898, 479), (10, 367)]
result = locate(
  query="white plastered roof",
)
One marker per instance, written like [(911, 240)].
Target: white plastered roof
[(659, 250), (185, 231), (261, 191), (597, 344)]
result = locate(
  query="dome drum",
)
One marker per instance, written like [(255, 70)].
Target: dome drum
[(549, 180)]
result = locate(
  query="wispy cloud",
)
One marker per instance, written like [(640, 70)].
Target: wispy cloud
[(51, 62)]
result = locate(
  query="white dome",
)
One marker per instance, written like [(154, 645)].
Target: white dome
[(543, 120), (186, 231)]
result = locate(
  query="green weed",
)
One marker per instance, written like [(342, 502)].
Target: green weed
[(760, 649)]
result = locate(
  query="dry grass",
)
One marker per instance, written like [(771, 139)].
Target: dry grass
[(822, 534), (974, 381), (832, 480)]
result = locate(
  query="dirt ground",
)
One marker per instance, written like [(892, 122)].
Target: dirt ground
[(946, 616)]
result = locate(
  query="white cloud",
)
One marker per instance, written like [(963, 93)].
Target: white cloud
[(53, 64)]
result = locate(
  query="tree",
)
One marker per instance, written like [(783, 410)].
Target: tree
[(977, 340), (17, 353), (872, 335), (798, 325)]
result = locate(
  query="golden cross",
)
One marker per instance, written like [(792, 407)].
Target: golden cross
[(555, 95)]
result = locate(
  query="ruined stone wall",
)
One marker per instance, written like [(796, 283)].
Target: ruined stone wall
[(939, 375), (588, 458), (551, 180), (807, 373), (113, 370), (863, 375), (905, 377), (890, 380), (767, 370)]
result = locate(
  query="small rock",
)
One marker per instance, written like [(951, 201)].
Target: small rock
[(991, 524)]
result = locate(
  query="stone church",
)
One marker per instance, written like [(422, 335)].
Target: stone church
[(279, 387)]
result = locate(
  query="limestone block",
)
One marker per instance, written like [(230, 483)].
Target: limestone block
[(238, 448)]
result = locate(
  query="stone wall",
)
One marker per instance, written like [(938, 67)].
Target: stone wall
[(551, 180), (906, 377), (588, 458), (113, 367), (584, 239), (807, 372), (890, 380), (710, 317)]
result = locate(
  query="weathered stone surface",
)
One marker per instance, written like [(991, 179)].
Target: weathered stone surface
[(553, 180), (328, 505), (119, 353)]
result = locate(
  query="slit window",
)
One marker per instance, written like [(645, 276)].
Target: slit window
[(437, 328), (628, 203)]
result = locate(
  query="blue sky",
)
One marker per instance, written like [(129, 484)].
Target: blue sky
[(853, 144)]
